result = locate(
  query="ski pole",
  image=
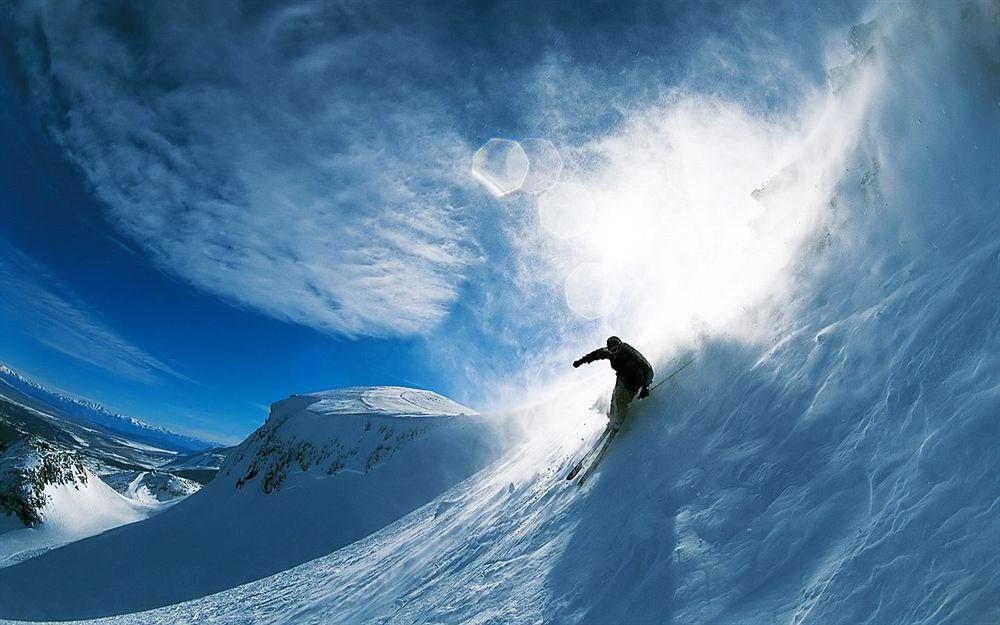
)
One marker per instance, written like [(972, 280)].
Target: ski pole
[(678, 370)]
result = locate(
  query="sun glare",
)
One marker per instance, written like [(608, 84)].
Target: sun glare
[(695, 213)]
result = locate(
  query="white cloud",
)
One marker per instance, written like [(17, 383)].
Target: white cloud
[(296, 162), (679, 243), (32, 298)]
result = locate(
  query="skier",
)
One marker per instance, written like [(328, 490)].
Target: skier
[(634, 376)]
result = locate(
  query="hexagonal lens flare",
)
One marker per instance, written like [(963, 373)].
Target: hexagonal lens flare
[(500, 165), (544, 165)]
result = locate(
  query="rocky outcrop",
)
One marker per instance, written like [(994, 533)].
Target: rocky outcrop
[(27, 468), (354, 430)]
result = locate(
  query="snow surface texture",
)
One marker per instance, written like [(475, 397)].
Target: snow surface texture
[(325, 470), (839, 469)]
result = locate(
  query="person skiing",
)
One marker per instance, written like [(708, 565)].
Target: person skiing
[(634, 376)]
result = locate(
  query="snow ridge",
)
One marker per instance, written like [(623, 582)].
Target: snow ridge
[(323, 471), (351, 429), (390, 400)]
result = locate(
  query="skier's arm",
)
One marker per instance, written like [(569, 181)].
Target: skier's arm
[(598, 354), (647, 376)]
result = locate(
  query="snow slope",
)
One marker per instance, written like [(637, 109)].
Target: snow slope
[(68, 502), (325, 470)]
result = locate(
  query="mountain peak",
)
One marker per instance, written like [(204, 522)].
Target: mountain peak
[(378, 400), (377, 422)]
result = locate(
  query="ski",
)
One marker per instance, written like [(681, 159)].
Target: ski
[(576, 469), (601, 446), (597, 459), (579, 465)]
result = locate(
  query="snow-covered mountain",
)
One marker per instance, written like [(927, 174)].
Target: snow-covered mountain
[(325, 470), (151, 486), (27, 468), (102, 451), (48, 498), (16, 387), (358, 428), (198, 466), (49, 482)]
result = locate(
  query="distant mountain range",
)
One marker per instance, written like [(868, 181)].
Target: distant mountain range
[(70, 469), (90, 413)]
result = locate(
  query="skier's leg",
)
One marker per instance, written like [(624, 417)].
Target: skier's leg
[(594, 451), (620, 399)]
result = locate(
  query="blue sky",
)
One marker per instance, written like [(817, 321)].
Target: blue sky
[(206, 208)]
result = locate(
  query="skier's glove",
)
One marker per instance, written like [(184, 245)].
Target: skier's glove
[(644, 393), (577, 363)]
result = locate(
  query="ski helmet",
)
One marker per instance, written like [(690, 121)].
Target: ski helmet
[(614, 342)]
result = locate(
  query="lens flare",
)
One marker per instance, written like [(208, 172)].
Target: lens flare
[(501, 165), (545, 165), (696, 212), (567, 210)]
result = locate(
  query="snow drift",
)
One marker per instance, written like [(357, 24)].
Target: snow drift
[(325, 470)]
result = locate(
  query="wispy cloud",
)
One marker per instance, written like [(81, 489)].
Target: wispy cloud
[(707, 192), (310, 161), (33, 299), (298, 161)]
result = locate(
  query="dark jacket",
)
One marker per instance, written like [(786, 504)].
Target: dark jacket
[(628, 363)]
